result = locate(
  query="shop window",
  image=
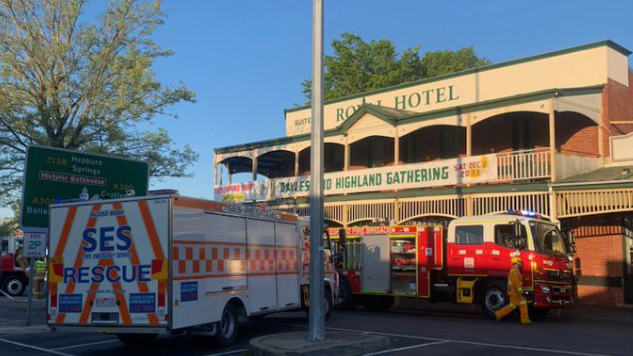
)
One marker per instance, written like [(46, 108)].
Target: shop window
[(504, 235), (469, 235)]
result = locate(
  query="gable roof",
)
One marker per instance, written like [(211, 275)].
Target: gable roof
[(396, 116)]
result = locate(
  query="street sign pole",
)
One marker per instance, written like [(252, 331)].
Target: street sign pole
[(34, 247), (28, 305), (316, 330)]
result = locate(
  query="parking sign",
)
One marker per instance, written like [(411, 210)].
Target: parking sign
[(34, 245)]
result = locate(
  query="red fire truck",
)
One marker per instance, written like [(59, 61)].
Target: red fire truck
[(468, 262), (13, 278)]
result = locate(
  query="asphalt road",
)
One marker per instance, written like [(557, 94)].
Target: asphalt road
[(410, 333)]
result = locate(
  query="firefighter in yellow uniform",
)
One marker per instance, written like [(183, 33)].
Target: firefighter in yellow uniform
[(515, 292)]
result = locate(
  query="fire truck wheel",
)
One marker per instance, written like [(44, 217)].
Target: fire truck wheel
[(347, 300), (538, 314), (493, 297), (13, 285), (136, 339), (227, 327), (377, 303)]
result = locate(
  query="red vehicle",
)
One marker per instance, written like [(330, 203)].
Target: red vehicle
[(466, 263), (13, 278)]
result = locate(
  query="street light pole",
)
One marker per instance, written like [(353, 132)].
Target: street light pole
[(316, 330)]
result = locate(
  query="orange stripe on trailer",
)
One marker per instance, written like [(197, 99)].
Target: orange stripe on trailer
[(142, 286), (70, 287), (185, 278), (151, 230), (125, 314), (68, 224), (240, 244)]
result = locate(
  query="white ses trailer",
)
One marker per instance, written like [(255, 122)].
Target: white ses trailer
[(142, 266)]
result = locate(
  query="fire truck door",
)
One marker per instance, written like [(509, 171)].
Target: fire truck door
[(375, 264), (425, 262)]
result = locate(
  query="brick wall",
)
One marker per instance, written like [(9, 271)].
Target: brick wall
[(576, 134), (617, 106), (598, 261), (602, 296)]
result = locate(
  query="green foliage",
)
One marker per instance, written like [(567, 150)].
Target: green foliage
[(87, 86), (8, 226), (358, 66)]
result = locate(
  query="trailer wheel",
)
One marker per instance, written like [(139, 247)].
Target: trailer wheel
[(227, 327), (14, 285), (347, 300), (538, 314), (136, 339), (494, 297), (377, 303), (327, 305)]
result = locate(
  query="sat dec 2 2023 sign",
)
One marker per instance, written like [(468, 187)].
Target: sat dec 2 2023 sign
[(54, 176)]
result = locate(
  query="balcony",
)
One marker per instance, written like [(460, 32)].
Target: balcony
[(377, 156), (519, 166)]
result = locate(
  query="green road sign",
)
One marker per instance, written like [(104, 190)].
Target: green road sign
[(54, 176)]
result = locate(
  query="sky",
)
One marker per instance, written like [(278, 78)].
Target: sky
[(246, 59)]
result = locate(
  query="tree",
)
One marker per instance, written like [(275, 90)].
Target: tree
[(84, 85), (358, 66)]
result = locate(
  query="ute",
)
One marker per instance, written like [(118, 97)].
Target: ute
[(466, 263)]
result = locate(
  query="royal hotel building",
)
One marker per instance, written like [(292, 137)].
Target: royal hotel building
[(552, 133)]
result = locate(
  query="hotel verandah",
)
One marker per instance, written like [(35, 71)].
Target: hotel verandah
[(551, 133)]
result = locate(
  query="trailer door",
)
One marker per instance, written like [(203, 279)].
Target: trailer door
[(287, 252), (375, 264), (108, 263), (260, 257)]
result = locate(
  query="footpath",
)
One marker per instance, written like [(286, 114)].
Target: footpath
[(13, 316)]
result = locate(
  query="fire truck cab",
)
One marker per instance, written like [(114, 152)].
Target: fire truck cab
[(13, 279), (468, 262)]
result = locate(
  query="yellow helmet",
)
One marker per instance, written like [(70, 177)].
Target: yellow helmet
[(516, 259)]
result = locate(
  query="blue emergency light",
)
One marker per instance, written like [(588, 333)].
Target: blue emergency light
[(527, 213)]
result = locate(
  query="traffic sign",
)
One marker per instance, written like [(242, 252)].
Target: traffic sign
[(54, 176), (34, 245)]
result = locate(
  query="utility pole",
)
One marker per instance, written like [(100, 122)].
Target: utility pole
[(316, 330)]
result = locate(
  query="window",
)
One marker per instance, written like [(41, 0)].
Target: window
[(504, 235), (469, 235), (547, 239)]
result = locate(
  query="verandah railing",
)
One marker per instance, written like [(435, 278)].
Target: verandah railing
[(524, 165)]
